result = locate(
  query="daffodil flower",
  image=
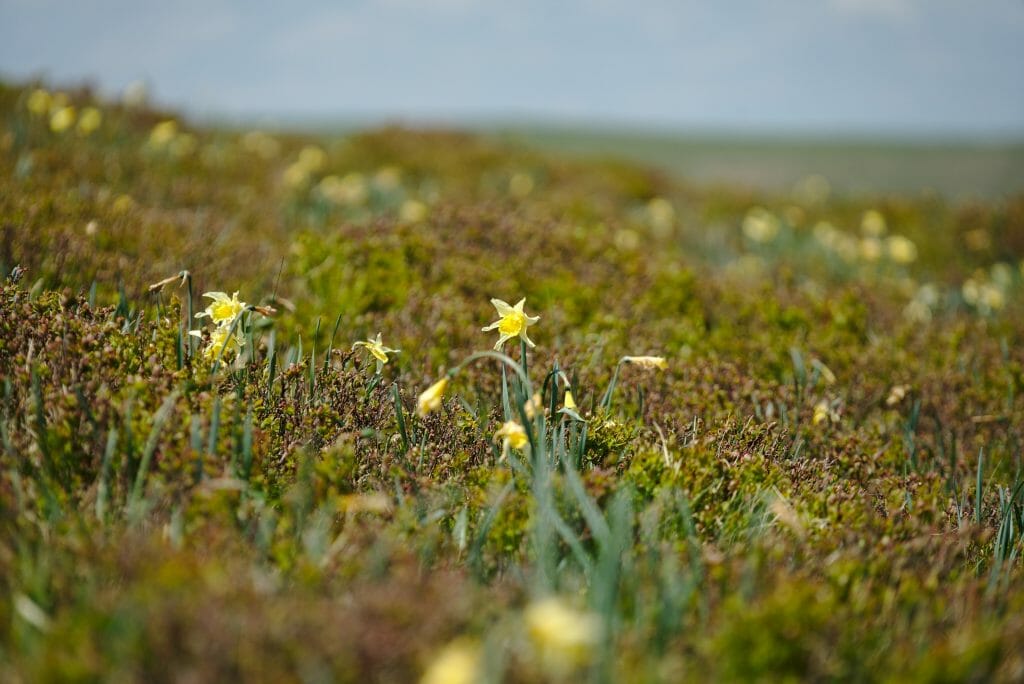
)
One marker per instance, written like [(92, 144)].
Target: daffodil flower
[(512, 434), (458, 663), (513, 322), (220, 339), (377, 350), (570, 402), (533, 406), (430, 399), (223, 310), (649, 362), (562, 633)]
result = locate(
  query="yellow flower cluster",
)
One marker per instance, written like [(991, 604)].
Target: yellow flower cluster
[(61, 113)]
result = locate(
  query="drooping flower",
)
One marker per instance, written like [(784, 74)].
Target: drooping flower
[(430, 399), (570, 401), (457, 663), (377, 350), (513, 322), (512, 434), (220, 339), (648, 362), (561, 632), (223, 309)]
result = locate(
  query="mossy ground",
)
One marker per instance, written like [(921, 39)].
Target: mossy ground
[(825, 483)]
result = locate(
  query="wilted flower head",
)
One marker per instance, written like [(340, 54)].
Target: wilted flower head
[(223, 309), (648, 362), (377, 350), (512, 434), (562, 632), (513, 322), (457, 663), (430, 399)]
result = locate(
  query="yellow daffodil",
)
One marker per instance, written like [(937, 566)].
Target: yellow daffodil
[(902, 250), (760, 225), (533, 406), (513, 322), (430, 400), (649, 362), (896, 395), (823, 412), (163, 133), (512, 434), (457, 663), (223, 309), (89, 121), (220, 339), (377, 350), (570, 401), (39, 101), (62, 119), (560, 632)]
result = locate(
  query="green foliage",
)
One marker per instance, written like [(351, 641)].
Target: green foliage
[(824, 483)]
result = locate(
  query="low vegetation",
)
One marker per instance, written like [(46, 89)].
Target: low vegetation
[(759, 437)]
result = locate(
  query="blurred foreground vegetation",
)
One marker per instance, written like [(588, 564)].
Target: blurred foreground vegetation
[(825, 482)]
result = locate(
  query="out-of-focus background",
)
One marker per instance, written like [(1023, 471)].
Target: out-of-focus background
[(875, 95)]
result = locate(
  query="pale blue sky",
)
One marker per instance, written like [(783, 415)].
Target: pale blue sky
[(861, 66)]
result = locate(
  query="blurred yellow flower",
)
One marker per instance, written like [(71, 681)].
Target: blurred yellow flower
[(533, 406), (760, 225), (520, 185), (62, 119), (377, 350), (220, 339), (512, 434), (661, 216), (648, 362), (412, 211), (872, 223), (457, 663), (901, 250), (513, 322), (223, 309), (561, 632), (870, 249), (896, 395), (430, 399), (312, 158), (163, 133), (38, 102), (90, 120), (823, 412)]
